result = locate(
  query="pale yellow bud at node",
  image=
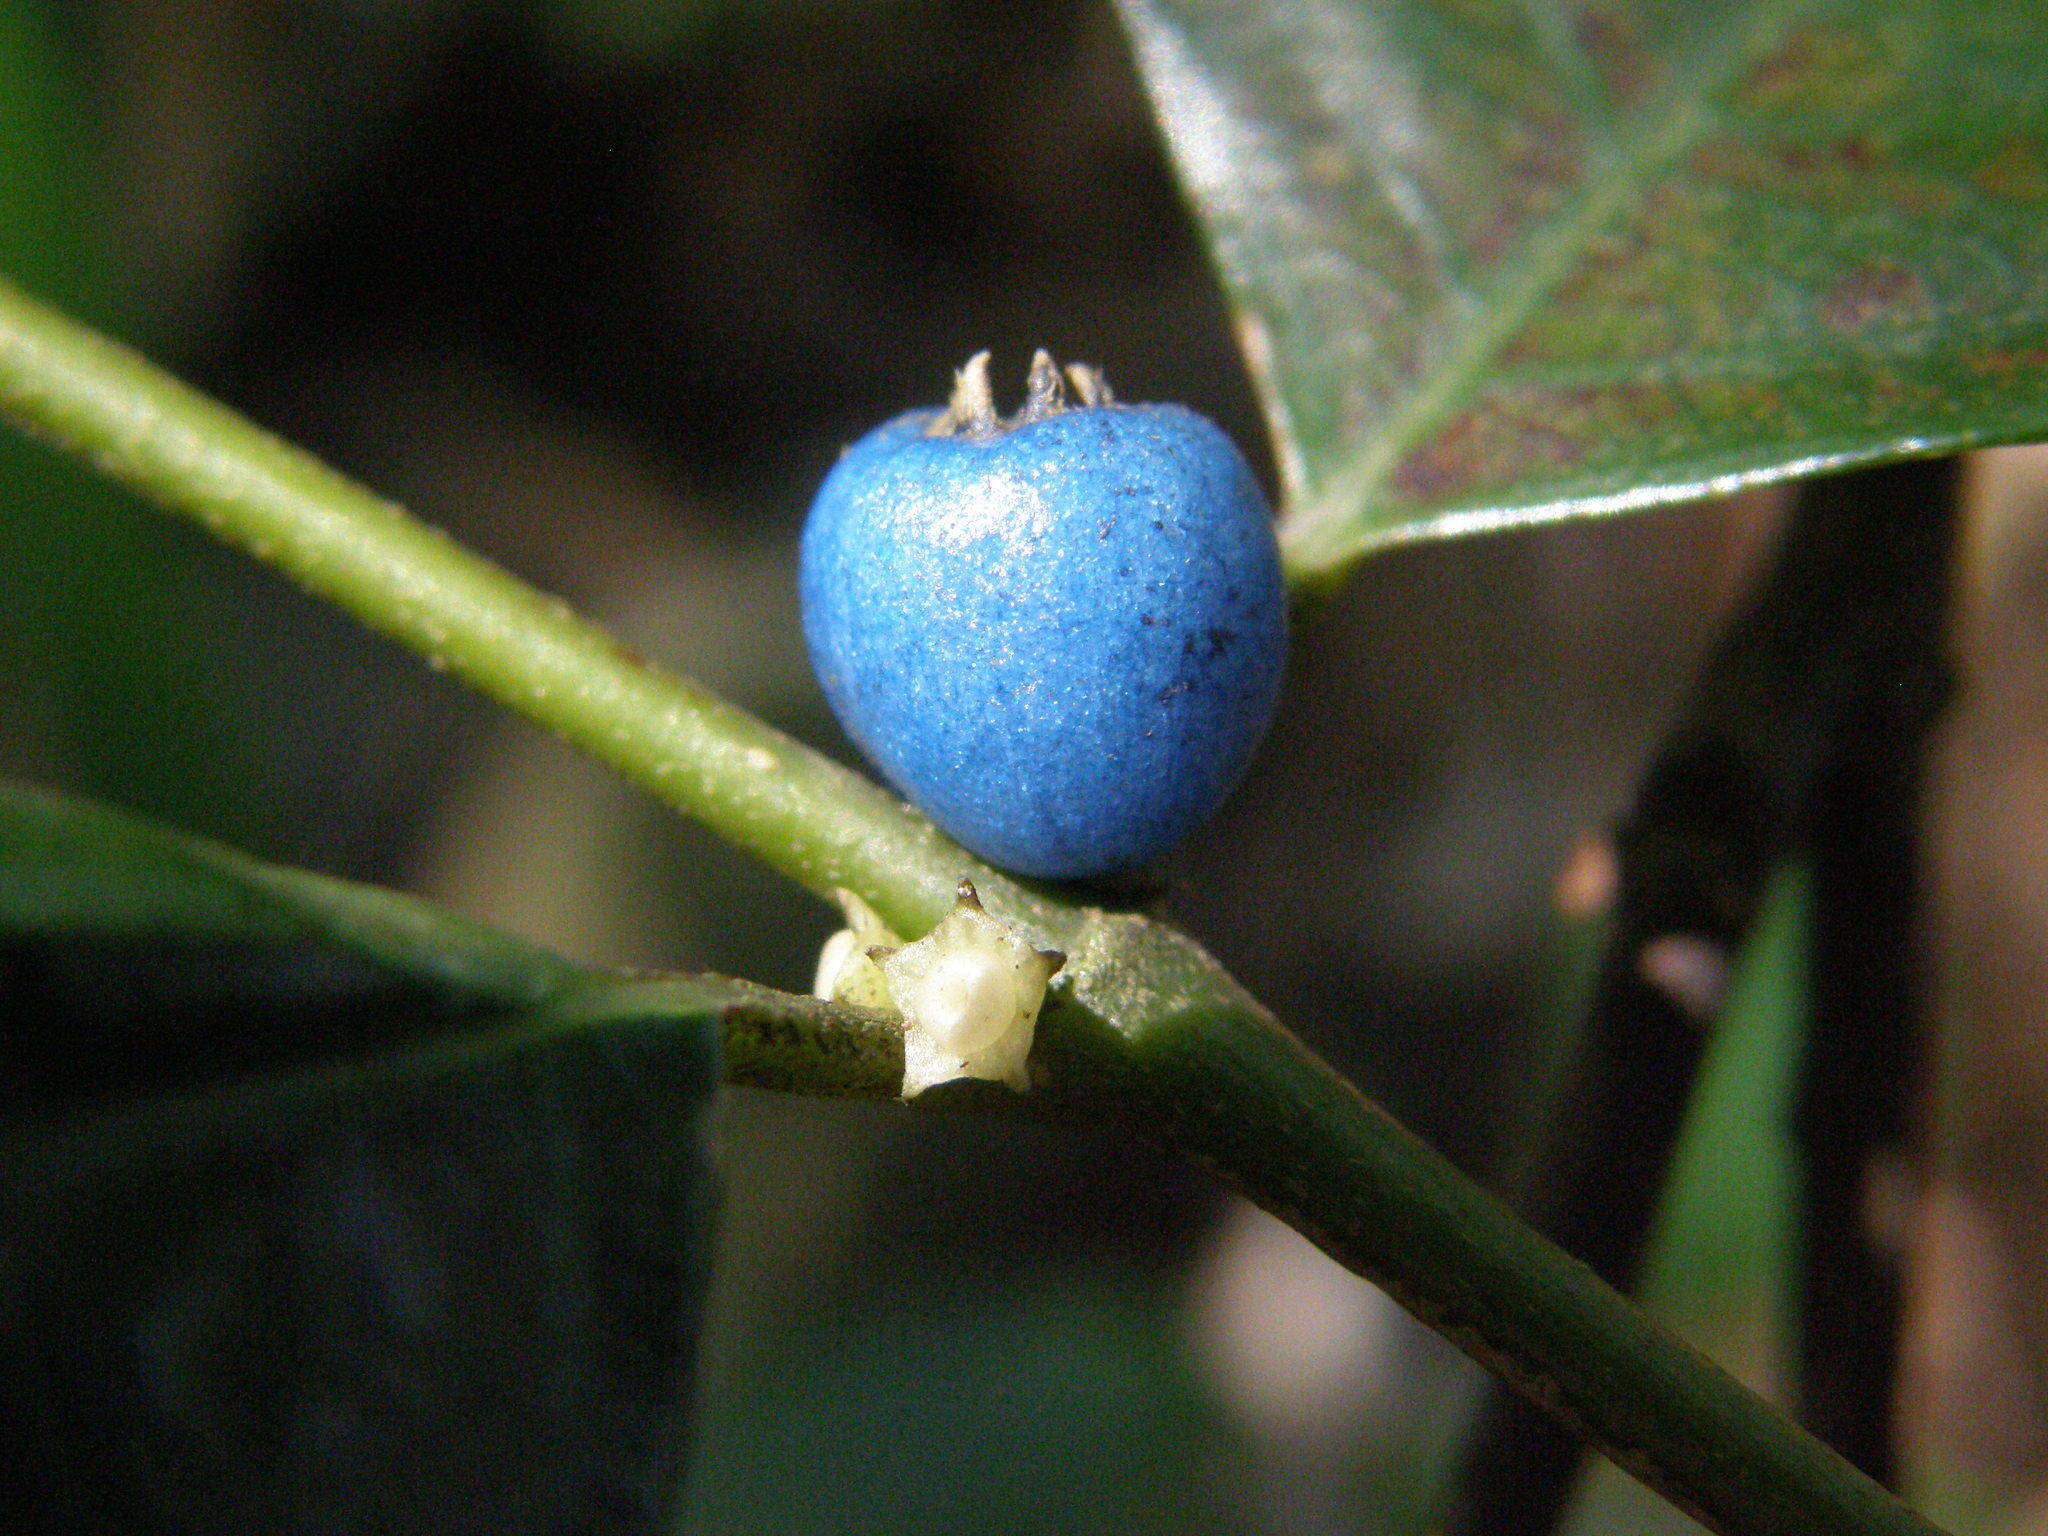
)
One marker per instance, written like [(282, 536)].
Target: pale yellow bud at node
[(967, 994), (847, 972)]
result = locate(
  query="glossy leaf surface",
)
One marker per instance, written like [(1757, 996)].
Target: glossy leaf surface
[(1501, 261), (323, 1209)]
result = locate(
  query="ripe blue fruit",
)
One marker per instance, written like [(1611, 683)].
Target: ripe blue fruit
[(1061, 635)]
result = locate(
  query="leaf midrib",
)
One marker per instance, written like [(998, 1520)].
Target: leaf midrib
[(1327, 528)]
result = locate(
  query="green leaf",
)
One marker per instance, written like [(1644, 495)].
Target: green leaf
[(1726, 1235), (416, 1241), (1721, 1268), (1502, 261), (134, 958), (70, 866), (458, 1296)]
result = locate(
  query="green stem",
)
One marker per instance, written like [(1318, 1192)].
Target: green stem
[(1143, 1020), (797, 810), (1285, 1130)]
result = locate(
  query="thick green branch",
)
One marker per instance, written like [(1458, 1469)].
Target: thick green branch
[(1144, 1021)]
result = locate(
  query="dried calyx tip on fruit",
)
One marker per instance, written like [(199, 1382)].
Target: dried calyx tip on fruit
[(967, 994), (971, 412)]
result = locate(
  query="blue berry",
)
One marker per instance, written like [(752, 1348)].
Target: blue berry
[(1061, 635)]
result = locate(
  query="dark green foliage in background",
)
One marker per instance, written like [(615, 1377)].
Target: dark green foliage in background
[(317, 1213), (111, 643)]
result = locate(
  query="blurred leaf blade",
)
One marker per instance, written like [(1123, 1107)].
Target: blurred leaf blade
[(1727, 1232), (321, 1208), (70, 865), (1503, 263), (139, 960), (471, 1290)]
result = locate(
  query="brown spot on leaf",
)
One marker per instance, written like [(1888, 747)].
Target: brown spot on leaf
[(1483, 447), (2007, 363), (1446, 463), (1548, 445), (1881, 291), (1783, 73), (1611, 38), (2015, 172)]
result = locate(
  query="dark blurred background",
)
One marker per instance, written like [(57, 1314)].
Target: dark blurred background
[(602, 287)]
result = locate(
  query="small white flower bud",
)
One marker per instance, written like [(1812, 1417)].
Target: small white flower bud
[(970, 991), (967, 993), (847, 972), (965, 1001)]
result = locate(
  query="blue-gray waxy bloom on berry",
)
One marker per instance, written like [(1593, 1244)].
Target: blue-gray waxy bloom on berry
[(1060, 634)]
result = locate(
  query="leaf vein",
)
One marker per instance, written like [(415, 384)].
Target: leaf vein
[(1321, 531)]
